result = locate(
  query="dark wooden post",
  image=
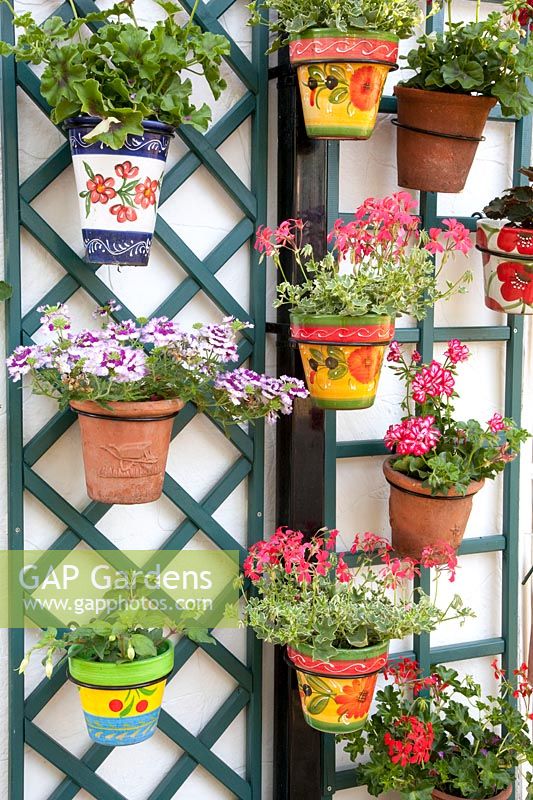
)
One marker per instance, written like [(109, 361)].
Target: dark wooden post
[(302, 181)]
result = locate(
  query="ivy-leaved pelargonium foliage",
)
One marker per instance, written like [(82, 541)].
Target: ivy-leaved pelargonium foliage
[(452, 736), (380, 262), (490, 57), (305, 593), (151, 359), (288, 17), (120, 71), (433, 447)]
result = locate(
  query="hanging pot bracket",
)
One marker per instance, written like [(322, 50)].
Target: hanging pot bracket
[(425, 132)]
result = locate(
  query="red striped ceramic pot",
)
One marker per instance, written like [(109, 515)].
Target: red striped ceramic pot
[(342, 357), (341, 77), (336, 695)]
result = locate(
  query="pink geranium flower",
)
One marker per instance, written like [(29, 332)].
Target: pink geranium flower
[(432, 381), (414, 436)]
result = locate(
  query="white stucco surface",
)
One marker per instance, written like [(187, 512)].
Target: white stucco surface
[(202, 214)]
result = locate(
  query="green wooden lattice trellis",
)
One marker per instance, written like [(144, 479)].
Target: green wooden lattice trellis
[(81, 526), (424, 336)]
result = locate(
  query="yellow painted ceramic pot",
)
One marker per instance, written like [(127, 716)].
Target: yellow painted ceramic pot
[(342, 357), (507, 266), (341, 77), (121, 702), (336, 695)]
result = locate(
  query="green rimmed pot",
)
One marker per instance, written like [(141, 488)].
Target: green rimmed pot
[(342, 357), (336, 695), (341, 77), (121, 702)]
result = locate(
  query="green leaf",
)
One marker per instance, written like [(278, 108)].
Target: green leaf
[(6, 290), (317, 705), (316, 72), (143, 646), (318, 684), (62, 74), (338, 95), (337, 72), (90, 96), (126, 710), (317, 355), (336, 352), (114, 130), (337, 373), (468, 74), (169, 6), (199, 119), (88, 170)]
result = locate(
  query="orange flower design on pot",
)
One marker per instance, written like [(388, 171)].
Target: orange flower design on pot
[(342, 357), (341, 77), (336, 695)]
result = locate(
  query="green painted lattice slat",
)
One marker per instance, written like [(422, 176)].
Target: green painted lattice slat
[(201, 277)]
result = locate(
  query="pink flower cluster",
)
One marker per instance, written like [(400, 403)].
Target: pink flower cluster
[(414, 436), (432, 381)]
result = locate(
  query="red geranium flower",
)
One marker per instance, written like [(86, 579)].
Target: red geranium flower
[(145, 193), (124, 213), (101, 189), (517, 281), (365, 88), (126, 170)]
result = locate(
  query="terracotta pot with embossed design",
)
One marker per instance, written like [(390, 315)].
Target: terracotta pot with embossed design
[(125, 448), (419, 519), (342, 356), (336, 695)]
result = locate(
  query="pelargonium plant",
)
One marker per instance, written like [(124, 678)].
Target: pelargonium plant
[(151, 359), (433, 447), (307, 594), (451, 737), (380, 262)]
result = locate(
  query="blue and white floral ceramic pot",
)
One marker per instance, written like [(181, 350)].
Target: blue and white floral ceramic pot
[(118, 191)]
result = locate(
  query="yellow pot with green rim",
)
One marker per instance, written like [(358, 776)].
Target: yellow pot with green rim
[(336, 695), (341, 78), (342, 357), (121, 702)]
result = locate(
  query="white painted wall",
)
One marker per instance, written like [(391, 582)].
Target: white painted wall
[(202, 215)]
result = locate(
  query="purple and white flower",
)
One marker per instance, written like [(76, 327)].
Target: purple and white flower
[(103, 312), (55, 317), (160, 331), (25, 358), (126, 331)]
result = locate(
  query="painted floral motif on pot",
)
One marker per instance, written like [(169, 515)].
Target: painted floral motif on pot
[(336, 695), (118, 191), (116, 717), (341, 79), (508, 267), (342, 357)]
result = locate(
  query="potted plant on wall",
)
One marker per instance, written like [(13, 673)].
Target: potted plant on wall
[(451, 742), (507, 249), (336, 622), (440, 463), (343, 312), (460, 74), (126, 397), (343, 53), (120, 665), (120, 92)]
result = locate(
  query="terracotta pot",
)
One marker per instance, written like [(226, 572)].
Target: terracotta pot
[(341, 77), (118, 190), (438, 795), (336, 695), (125, 448), (121, 702), (507, 266), (419, 519), (434, 163), (342, 357)]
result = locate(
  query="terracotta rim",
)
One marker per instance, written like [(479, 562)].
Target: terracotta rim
[(503, 795), (409, 485), (129, 411)]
